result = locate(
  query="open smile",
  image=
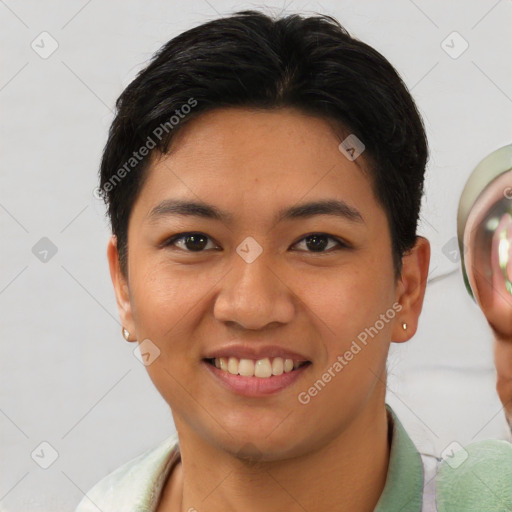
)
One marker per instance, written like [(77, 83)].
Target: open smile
[(256, 377)]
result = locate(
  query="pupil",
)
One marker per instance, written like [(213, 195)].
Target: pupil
[(191, 240), (318, 242)]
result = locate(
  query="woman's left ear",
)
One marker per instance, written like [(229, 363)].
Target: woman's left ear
[(410, 290), (121, 289)]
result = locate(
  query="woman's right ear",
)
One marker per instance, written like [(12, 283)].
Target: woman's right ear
[(411, 289), (121, 288)]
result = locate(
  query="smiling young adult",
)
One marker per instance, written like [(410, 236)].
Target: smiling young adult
[(263, 179)]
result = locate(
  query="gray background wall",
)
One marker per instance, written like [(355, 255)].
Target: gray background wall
[(67, 377)]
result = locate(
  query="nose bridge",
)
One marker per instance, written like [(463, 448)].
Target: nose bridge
[(256, 278), (252, 293)]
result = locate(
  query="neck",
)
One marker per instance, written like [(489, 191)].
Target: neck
[(348, 473)]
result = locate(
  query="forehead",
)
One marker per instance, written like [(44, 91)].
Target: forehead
[(245, 158), (237, 135)]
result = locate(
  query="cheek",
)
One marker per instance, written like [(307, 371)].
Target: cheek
[(167, 304), (354, 326), (344, 303), (354, 314), (166, 297)]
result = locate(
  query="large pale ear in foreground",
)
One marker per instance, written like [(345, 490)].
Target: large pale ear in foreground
[(120, 282), (410, 290)]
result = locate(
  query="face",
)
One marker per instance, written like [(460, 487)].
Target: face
[(267, 280)]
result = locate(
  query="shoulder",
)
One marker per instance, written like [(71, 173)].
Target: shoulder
[(476, 477), (136, 485)]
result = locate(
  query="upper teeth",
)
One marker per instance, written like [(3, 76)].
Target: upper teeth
[(262, 368)]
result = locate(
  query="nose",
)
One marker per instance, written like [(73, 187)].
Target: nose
[(255, 295)]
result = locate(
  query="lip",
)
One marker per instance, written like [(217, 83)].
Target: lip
[(255, 386), (251, 351)]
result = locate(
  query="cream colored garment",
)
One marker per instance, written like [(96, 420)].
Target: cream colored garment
[(136, 485)]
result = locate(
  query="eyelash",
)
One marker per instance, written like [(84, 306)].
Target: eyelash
[(341, 244)]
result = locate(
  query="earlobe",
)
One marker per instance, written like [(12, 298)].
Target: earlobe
[(121, 289), (411, 290)]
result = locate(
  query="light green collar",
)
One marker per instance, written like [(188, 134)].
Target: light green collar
[(403, 491)]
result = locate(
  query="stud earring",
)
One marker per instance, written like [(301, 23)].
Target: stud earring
[(404, 326), (126, 334)]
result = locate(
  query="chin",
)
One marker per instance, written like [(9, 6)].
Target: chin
[(256, 445)]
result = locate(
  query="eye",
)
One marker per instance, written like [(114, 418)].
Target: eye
[(317, 242), (189, 242), (198, 242)]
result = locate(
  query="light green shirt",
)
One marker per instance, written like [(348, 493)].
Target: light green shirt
[(475, 479)]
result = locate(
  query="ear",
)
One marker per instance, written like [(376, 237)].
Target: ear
[(410, 289), (122, 291)]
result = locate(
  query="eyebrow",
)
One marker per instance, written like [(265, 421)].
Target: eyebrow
[(334, 207)]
